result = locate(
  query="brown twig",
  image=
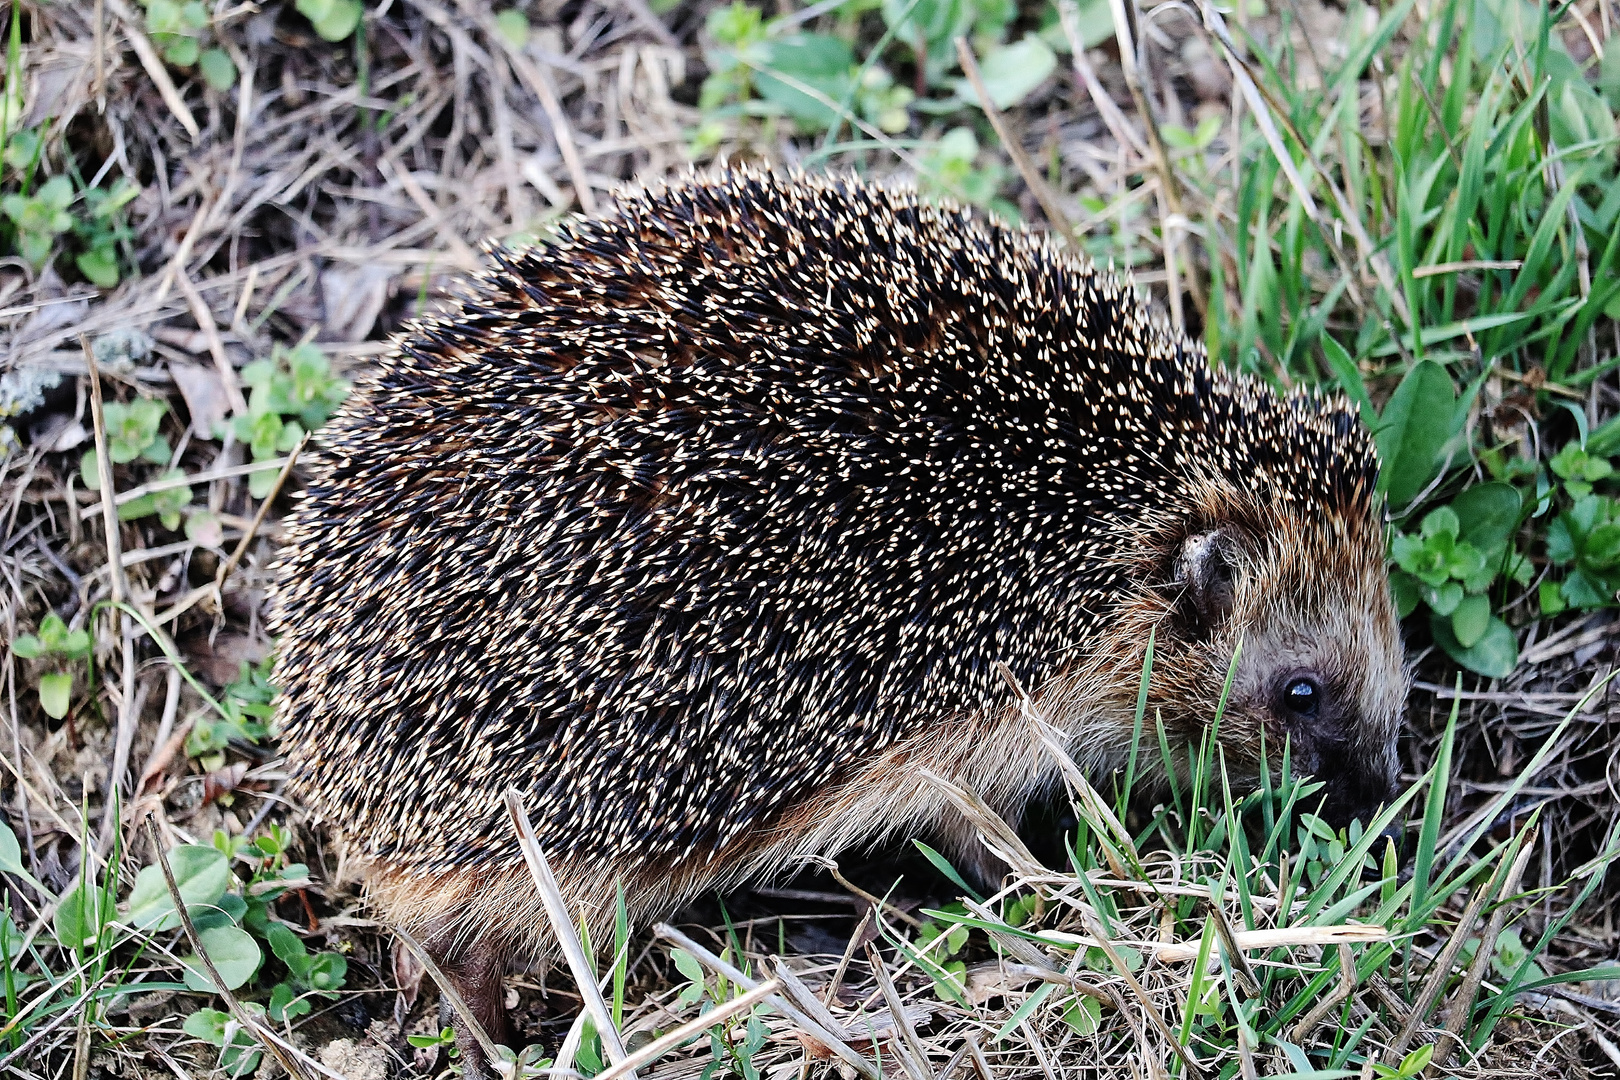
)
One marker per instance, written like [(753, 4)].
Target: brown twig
[(1170, 224), (1437, 976), (109, 510), (1346, 989), (913, 1058), (1237, 962), (1462, 1002), (562, 928), (154, 67), (448, 991), (235, 560), (1055, 216), (1123, 970), (537, 82)]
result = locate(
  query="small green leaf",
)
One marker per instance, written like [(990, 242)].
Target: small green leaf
[(56, 693), (1444, 599), (1470, 619), (99, 267), (201, 873), (819, 61), (1602, 547), (11, 862), (90, 471), (1084, 1015), (1406, 591), (288, 947), (157, 451), (1413, 429), (1494, 655), (340, 24), (217, 68), (285, 1004), (79, 916), (28, 647), (209, 1025), (513, 26), (1441, 521), (687, 965), (1551, 598), (1487, 514), (235, 954), (1011, 72), (181, 51)]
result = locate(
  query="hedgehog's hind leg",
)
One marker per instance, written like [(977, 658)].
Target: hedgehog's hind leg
[(469, 940), (474, 967)]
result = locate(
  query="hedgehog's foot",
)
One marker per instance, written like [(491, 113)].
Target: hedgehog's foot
[(474, 969)]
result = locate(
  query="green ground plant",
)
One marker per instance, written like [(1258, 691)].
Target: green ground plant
[(1489, 195), (180, 30), (291, 393)]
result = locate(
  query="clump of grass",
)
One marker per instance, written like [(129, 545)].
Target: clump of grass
[(1452, 234)]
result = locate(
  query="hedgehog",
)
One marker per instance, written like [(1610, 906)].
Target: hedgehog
[(713, 525)]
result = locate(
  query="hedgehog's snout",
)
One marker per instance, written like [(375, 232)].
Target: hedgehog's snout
[(1334, 743), (1336, 698)]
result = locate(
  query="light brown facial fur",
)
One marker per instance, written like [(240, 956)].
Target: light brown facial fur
[(1302, 601)]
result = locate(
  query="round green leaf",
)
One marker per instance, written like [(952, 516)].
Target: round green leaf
[(181, 51), (207, 1025), (1444, 600), (56, 693), (202, 874), (513, 25), (235, 954), (1441, 521), (1084, 1015), (1488, 514), (1494, 655), (11, 862), (1470, 619), (28, 647), (820, 61), (217, 68), (1602, 547), (79, 916), (1406, 591), (937, 22), (90, 471), (99, 267), (340, 21), (1011, 72)]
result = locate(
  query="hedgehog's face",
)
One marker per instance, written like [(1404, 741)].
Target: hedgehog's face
[(1319, 653)]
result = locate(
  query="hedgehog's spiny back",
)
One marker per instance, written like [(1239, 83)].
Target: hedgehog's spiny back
[(682, 518)]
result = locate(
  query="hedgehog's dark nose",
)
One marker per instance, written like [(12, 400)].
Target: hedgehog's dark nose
[(1355, 792)]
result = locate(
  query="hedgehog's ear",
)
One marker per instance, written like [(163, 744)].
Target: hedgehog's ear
[(1205, 570)]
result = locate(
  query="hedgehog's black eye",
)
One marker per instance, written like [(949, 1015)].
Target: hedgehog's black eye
[(1302, 696)]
